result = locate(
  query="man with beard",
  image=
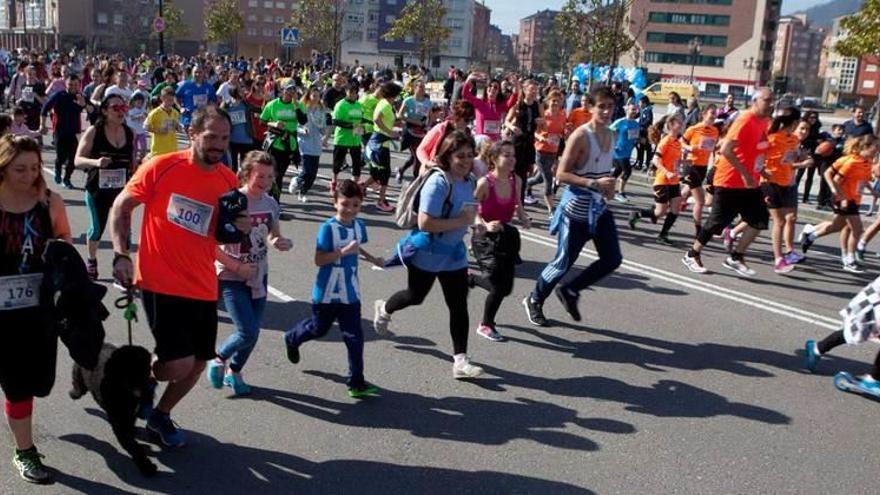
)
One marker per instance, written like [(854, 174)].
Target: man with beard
[(175, 261)]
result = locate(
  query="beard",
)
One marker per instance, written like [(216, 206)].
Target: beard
[(209, 156)]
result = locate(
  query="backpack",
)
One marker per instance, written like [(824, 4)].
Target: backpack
[(406, 214)]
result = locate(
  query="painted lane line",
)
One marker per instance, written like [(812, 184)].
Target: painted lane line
[(280, 295)]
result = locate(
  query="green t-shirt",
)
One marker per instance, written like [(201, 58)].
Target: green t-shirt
[(384, 113), (353, 113), (368, 103), (278, 111)]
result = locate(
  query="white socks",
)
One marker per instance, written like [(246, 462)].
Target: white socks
[(460, 358), (860, 246)]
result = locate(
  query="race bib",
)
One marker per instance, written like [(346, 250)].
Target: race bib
[(27, 94), (491, 126), (237, 117), (358, 131), (553, 139), (169, 126), (200, 100), (707, 144), (759, 163), (20, 291), (285, 114), (111, 178), (189, 214), (632, 134), (789, 157)]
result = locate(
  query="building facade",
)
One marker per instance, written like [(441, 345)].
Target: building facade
[(480, 33), (795, 58), (868, 81), (840, 72), (31, 24), (263, 22), (534, 32), (727, 44)]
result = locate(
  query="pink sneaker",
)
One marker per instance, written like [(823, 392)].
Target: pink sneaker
[(782, 266), (384, 206), (728, 239), (490, 333)]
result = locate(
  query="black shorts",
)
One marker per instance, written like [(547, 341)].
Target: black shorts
[(665, 194), (777, 196), (694, 176), (357, 160), (28, 354), (381, 172), (621, 167), (852, 208), (409, 141), (182, 327), (728, 203), (709, 178)]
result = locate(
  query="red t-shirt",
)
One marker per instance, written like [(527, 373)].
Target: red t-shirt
[(750, 133), (177, 249)]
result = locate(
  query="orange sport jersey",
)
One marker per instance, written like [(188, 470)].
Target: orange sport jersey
[(177, 249), (750, 133), (781, 155), (669, 150), (578, 117), (856, 171), (702, 139)]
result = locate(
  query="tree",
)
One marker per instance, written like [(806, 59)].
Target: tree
[(223, 21), (320, 24), (425, 22), (175, 27), (862, 35)]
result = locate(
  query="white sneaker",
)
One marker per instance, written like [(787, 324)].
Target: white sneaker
[(739, 266), (303, 198), (620, 198), (530, 200), (381, 319), (464, 369), (807, 230), (293, 185)]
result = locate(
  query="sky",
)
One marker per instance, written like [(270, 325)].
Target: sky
[(507, 13)]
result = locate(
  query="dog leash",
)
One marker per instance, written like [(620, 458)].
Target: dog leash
[(127, 304)]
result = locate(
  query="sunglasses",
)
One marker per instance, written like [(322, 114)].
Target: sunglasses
[(119, 107)]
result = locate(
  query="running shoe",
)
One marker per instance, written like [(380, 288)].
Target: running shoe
[(633, 219), (569, 301), (782, 266), (57, 179), (293, 185), (145, 404), (534, 312), (860, 256), (381, 319), (363, 391), (292, 352), (239, 387), (694, 263), (302, 198), (464, 369), (68, 184), (870, 385), (728, 239), (168, 432), (384, 206), (399, 175), (739, 266), (852, 268), (215, 372), (621, 198), (811, 357), (92, 268), (530, 200), (806, 238), (662, 239), (30, 466), (489, 332), (793, 258)]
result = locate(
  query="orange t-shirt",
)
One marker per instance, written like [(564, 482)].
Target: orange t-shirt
[(177, 249), (669, 150), (750, 133), (781, 155), (547, 139), (702, 139), (578, 117), (856, 171)]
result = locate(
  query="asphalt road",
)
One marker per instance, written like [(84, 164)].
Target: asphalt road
[(673, 383)]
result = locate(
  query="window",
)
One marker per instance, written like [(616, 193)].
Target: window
[(252, 17), (354, 18), (871, 68), (869, 84), (280, 5), (456, 24), (372, 34), (389, 19), (117, 19), (252, 3), (684, 39), (268, 4), (251, 31), (269, 32), (713, 88), (454, 43), (373, 16), (268, 18), (279, 19), (102, 18), (699, 19), (684, 59), (145, 21)]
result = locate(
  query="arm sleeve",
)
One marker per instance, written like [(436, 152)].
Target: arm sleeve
[(425, 151), (49, 105), (325, 238), (363, 228), (468, 95), (266, 114), (432, 196), (688, 134)]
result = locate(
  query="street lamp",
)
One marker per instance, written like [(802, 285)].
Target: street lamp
[(750, 65), (695, 46)]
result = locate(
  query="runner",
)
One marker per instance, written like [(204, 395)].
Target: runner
[(699, 142), (737, 168), (106, 152), (846, 177), (336, 293), (548, 140), (667, 193), (446, 216), (282, 116), (522, 121), (496, 243), (582, 213), (414, 114), (379, 146), (241, 140), (68, 107), (194, 94), (243, 270), (644, 153), (490, 110), (30, 216), (162, 123), (627, 130), (309, 138), (351, 124), (175, 261), (460, 118)]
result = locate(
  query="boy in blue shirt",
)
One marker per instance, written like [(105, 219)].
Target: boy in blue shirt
[(627, 130), (336, 295)]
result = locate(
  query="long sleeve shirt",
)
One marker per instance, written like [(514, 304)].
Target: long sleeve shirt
[(67, 112)]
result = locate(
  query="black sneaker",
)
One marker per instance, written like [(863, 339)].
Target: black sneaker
[(534, 312), (30, 466), (569, 303), (92, 269), (293, 354), (662, 239), (633, 219)]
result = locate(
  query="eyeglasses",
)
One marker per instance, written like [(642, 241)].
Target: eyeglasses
[(119, 107)]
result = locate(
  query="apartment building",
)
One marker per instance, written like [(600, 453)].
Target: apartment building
[(795, 55), (263, 21), (849, 80), (533, 33)]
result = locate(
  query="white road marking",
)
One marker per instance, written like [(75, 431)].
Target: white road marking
[(280, 295)]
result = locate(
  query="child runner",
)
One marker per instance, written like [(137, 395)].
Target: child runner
[(667, 192), (163, 122), (243, 272), (699, 142), (496, 243), (627, 129), (548, 138), (846, 178), (310, 143), (336, 294), (137, 115)]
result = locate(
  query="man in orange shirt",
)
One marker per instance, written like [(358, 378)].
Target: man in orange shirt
[(737, 170), (175, 263)]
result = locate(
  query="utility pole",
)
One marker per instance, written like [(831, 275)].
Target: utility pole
[(161, 33)]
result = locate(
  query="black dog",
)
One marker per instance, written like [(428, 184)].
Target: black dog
[(120, 384)]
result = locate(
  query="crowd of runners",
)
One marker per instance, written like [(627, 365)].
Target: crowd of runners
[(477, 155)]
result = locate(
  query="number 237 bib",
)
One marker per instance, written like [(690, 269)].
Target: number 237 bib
[(189, 214)]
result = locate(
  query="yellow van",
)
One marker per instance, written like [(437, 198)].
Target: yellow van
[(658, 92)]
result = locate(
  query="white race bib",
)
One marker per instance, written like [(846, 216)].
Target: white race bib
[(111, 178), (200, 100), (553, 139), (189, 214), (632, 134), (27, 94), (168, 126), (707, 144), (491, 126), (237, 117), (20, 291)]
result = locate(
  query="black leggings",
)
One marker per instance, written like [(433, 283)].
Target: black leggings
[(643, 153), (836, 339), (499, 283), (455, 289)]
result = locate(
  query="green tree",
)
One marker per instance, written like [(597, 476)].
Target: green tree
[(862, 31), (223, 21), (425, 22), (175, 27), (320, 24)]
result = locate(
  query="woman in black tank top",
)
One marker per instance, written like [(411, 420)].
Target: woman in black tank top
[(522, 123), (30, 216), (106, 151)]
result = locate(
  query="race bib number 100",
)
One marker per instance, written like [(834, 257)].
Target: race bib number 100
[(189, 214)]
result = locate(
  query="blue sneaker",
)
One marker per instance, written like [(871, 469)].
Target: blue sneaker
[(869, 385), (215, 373), (811, 357), (161, 425), (145, 405), (239, 387)]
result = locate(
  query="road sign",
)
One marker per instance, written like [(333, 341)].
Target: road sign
[(159, 25), (289, 37)]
